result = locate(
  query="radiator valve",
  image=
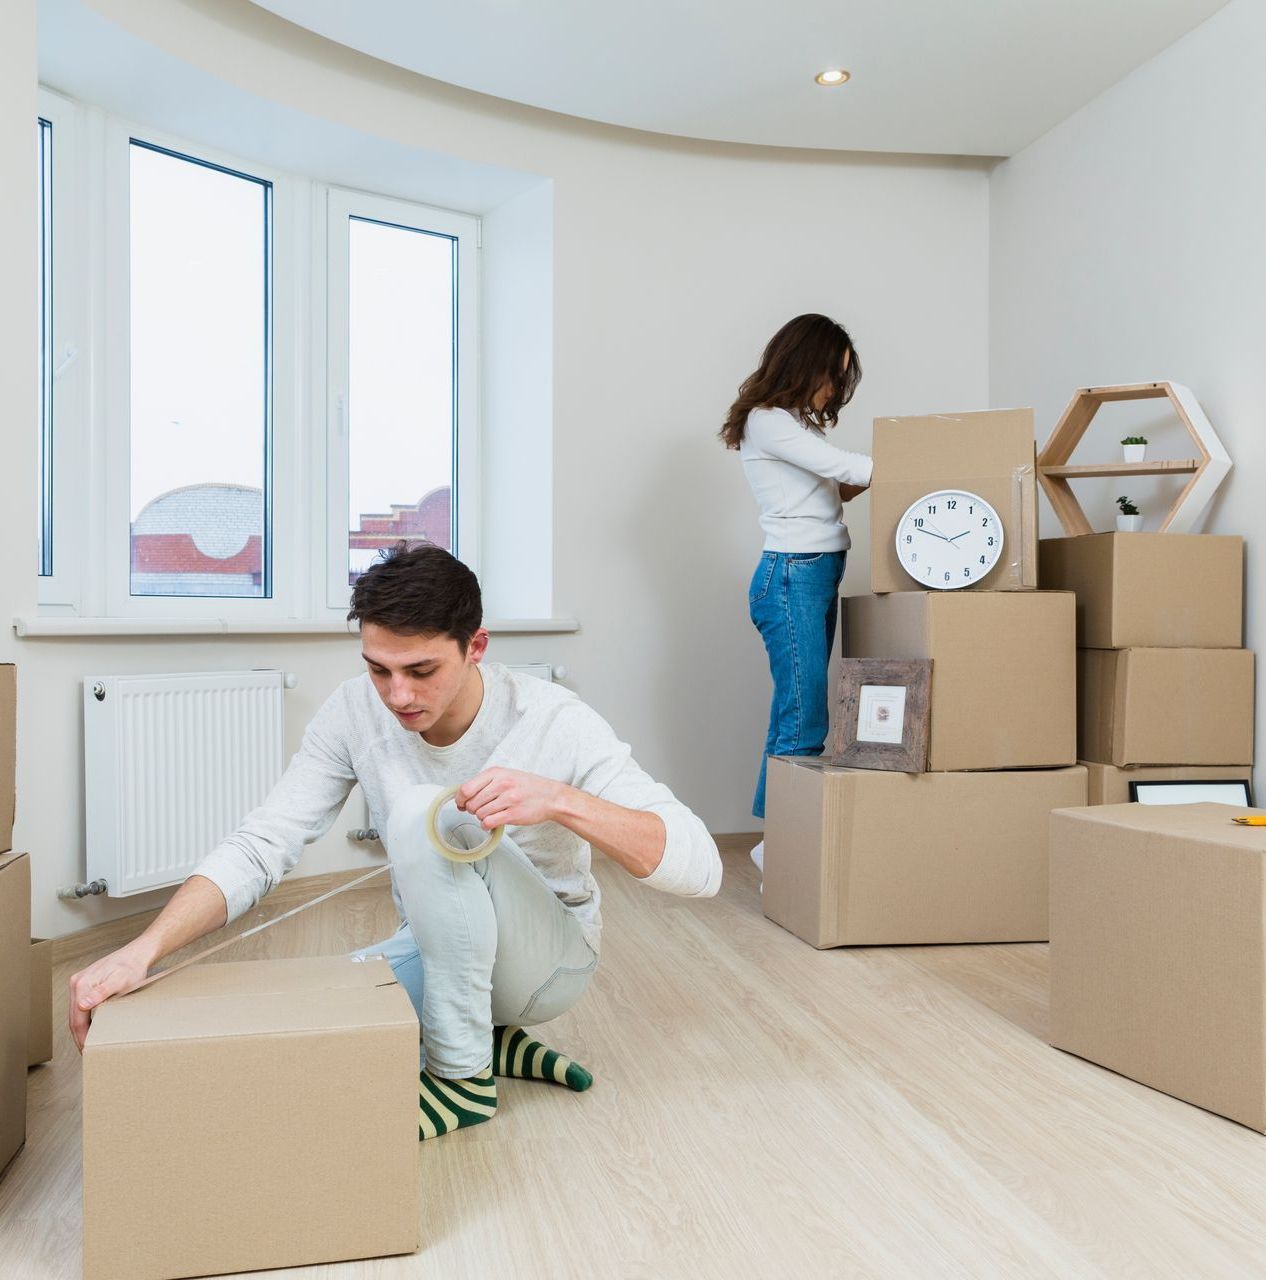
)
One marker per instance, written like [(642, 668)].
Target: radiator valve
[(82, 890)]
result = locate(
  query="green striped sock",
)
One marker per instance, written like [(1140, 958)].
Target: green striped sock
[(444, 1105), (515, 1053)]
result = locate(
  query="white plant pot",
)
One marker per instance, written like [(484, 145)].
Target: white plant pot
[(1129, 524), (1134, 452)]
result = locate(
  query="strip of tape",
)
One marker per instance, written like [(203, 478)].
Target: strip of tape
[(451, 852)]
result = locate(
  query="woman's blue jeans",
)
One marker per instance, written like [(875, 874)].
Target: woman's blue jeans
[(793, 601)]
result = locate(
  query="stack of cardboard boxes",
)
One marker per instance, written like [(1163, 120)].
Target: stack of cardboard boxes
[(1158, 951), (1166, 691), (957, 854), (15, 940)]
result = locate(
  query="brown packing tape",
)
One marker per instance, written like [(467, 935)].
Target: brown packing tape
[(1023, 514)]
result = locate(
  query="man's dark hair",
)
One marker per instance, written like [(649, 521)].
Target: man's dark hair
[(418, 590)]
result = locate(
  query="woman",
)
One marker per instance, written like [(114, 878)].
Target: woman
[(778, 424)]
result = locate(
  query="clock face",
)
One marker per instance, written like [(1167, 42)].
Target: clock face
[(949, 539)]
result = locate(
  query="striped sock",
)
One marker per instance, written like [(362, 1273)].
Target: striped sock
[(515, 1053), (444, 1105)]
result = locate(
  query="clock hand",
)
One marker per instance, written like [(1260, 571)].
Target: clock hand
[(930, 534), (956, 537)]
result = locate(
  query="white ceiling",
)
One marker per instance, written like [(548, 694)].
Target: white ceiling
[(965, 77)]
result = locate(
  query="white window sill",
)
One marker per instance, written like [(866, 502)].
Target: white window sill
[(39, 628)]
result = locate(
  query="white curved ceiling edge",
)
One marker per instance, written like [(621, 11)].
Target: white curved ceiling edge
[(960, 77)]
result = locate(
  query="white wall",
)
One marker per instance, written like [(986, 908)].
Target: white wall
[(674, 262), (1127, 246)]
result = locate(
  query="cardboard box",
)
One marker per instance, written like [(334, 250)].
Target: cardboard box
[(15, 995), (1165, 706), (8, 752), (1106, 784), (1150, 590), (855, 857), (253, 1115), (1157, 953), (1004, 668), (39, 1046), (990, 454)]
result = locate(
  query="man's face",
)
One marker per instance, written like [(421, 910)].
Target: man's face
[(417, 677)]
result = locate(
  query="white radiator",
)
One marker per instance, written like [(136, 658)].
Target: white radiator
[(172, 764)]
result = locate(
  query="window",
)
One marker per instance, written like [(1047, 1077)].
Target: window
[(200, 376), (402, 294), (44, 321), (278, 380)]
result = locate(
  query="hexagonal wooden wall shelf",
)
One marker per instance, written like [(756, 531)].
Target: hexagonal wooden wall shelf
[(1207, 471)]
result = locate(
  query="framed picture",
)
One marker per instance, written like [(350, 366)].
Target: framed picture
[(1236, 791), (882, 714)]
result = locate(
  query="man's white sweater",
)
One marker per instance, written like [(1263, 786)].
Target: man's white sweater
[(523, 723)]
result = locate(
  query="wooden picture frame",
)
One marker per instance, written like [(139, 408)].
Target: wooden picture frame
[(882, 714)]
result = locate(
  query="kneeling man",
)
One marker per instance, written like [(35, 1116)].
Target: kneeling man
[(484, 946)]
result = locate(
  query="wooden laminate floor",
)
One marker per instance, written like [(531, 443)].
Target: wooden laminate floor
[(761, 1110)]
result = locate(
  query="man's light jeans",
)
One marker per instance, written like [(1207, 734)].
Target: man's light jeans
[(482, 943)]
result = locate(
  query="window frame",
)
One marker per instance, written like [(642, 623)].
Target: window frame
[(91, 231), (341, 206)]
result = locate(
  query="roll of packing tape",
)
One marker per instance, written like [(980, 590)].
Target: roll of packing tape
[(451, 852)]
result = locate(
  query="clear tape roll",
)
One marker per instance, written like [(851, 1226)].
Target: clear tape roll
[(452, 852)]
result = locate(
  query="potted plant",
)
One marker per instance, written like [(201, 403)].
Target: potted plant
[(1135, 448), (1131, 519)]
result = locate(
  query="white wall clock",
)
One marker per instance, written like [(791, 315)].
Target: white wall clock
[(949, 539)]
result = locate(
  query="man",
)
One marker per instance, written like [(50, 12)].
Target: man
[(483, 946)]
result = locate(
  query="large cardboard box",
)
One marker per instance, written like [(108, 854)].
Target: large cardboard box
[(15, 995), (1158, 959), (39, 1046), (253, 1115), (1165, 706), (1004, 668), (856, 857), (8, 752), (1150, 590), (1106, 784), (989, 453)]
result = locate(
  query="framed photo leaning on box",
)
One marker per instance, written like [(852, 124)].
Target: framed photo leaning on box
[(778, 424), (488, 944)]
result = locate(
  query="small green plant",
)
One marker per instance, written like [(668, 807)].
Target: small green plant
[(1134, 440), (1127, 507)]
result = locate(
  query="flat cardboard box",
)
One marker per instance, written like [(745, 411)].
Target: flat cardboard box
[(856, 857), (1165, 706), (1106, 784), (40, 1040), (1150, 590), (245, 1116), (1158, 958), (991, 454), (15, 995), (1004, 670), (8, 752)]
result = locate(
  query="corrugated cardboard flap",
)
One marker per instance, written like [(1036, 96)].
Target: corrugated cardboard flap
[(258, 997), (1203, 823), (927, 448)]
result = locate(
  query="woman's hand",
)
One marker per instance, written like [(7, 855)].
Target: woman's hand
[(850, 491)]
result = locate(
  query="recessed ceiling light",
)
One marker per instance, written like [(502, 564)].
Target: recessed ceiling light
[(832, 77)]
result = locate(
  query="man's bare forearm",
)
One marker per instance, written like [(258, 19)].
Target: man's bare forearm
[(634, 838), (196, 909)]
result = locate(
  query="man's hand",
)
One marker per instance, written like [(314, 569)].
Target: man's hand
[(850, 491), (508, 797), (113, 975)]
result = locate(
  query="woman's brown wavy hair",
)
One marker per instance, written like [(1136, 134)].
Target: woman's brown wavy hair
[(799, 356)]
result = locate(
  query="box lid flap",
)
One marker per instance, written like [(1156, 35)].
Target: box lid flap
[(990, 443), (1203, 823), (126, 1021)]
